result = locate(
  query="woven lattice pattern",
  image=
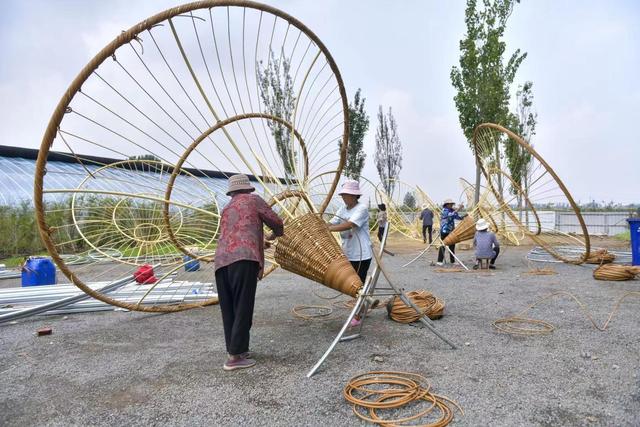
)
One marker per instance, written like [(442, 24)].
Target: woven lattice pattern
[(463, 231), (308, 249)]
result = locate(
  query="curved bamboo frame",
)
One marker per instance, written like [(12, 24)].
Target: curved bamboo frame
[(143, 196), (552, 173), (395, 216), (178, 168), (106, 53), (519, 189), (485, 208)]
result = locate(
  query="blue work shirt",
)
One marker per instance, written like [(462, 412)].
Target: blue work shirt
[(447, 220)]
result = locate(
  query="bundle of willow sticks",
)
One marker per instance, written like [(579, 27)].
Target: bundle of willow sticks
[(601, 256), (615, 272), (428, 304)]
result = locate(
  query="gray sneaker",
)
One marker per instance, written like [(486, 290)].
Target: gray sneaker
[(240, 363)]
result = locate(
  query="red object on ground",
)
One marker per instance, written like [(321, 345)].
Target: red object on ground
[(44, 331), (144, 275)]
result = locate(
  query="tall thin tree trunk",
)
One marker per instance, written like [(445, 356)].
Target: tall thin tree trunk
[(476, 196), (500, 186)]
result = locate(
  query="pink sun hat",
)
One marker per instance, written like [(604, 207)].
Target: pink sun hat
[(351, 187)]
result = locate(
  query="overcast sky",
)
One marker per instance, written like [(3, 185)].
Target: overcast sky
[(583, 58)]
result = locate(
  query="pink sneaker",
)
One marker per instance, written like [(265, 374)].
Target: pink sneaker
[(240, 363), (355, 322)]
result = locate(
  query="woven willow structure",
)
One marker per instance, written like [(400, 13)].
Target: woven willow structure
[(465, 230), (310, 250), (491, 210), (405, 219), (202, 90), (537, 186)]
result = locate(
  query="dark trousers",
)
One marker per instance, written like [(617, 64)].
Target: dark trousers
[(497, 251), (361, 267), (380, 233), (441, 250), (426, 228), (493, 260), (236, 284)]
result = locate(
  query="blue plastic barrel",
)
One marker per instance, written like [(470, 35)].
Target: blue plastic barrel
[(190, 264), (38, 271), (634, 229)]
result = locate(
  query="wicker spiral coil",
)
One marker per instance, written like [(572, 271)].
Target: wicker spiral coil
[(601, 256), (308, 249), (428, 303), (615, 272), (463, 231)]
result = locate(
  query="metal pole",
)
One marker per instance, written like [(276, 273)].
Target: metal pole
[(428, 322), (356, 307), (456, 258), (424, 319), (370, 283), (419, 255), (63, 302)]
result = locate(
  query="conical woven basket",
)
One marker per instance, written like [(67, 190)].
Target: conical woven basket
[(308, 249), (463, 231)]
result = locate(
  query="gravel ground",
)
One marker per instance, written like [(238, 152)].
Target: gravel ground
[(124, 368)]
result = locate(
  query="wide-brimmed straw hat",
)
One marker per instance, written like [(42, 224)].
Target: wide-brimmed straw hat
[(482, 224), (448, 202), (351, 187), (239, 182)]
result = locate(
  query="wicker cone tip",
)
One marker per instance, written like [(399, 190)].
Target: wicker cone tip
[(308, 249), (464, 231)]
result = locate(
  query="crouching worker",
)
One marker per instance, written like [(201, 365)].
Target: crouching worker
[(486, 243), (239, 262)]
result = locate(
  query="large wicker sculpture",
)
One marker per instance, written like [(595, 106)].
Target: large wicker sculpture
[(537, 185), (309, 249), (195, 93)]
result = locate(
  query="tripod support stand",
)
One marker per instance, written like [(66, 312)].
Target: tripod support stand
[(366, 297)]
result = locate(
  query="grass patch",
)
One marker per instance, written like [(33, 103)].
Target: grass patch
[(12, 262), (625, 237)]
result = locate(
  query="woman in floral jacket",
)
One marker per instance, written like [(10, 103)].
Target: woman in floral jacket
[(239, 263)]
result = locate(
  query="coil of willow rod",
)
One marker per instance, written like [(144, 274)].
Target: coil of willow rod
[(360, 392), (410, 388), (615, 272), (428, 304), (508, 324), (318, 312), (437, 401)]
